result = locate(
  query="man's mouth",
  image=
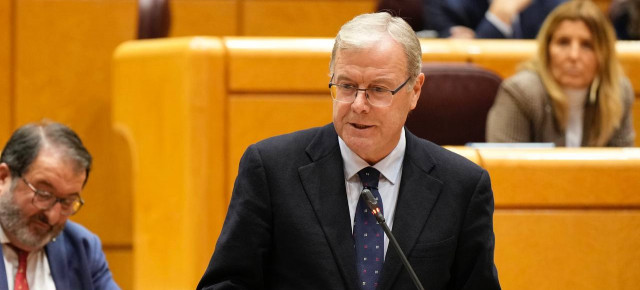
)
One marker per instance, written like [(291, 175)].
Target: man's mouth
[(42, 227), (360, 126), (41, 223)]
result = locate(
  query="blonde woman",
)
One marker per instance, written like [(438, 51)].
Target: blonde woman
[(573, 92)]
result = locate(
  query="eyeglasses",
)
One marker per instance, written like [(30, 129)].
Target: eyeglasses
[(45, 200), (376, 96)]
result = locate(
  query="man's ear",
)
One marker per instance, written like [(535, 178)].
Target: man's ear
[(5, 174), (416, 90)]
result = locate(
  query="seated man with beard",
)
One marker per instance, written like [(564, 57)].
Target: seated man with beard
[(43, 168)]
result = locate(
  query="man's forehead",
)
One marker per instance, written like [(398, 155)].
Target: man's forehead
[(56, 163), (376, 64)]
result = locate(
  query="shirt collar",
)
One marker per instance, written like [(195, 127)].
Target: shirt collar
[(389, 166), (3, 237)]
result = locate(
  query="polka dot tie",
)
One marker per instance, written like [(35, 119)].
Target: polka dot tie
[(368, 235), (21, 276)]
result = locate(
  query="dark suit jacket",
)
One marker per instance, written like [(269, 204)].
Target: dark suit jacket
[(76, 261), (288, 224), (443, 14)]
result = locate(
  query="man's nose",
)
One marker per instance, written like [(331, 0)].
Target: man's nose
[(54, 214), (360, 103)]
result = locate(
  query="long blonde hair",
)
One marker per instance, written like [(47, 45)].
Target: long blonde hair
[(606, 85)]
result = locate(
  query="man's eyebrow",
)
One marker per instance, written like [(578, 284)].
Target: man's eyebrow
[(50, 188), (382, 79), (341, 77), (43, 183)]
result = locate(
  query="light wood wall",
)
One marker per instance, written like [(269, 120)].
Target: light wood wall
[(6, 67), (560, 221), (176, 135), (320, 18)]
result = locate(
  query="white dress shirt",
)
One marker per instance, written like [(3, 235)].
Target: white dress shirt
[(389, 185), (575, 123), (38, 271)]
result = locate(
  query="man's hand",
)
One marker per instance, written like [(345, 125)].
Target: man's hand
[(506, 10), (462, 32)]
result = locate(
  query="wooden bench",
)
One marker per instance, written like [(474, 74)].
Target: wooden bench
[(565, 218)]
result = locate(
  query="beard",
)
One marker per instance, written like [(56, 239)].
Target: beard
[(17, 225)]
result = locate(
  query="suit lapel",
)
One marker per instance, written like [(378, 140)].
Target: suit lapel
[(323, 182), (56, 254), (4, 284), (418, 194)]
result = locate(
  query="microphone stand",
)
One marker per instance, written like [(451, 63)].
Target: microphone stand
[(373, 206)]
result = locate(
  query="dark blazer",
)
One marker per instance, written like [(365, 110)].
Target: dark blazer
[(443, 14), (288, 224), (76, 261)]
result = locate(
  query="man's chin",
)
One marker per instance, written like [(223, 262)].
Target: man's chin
[(37, 238), (359, 146)]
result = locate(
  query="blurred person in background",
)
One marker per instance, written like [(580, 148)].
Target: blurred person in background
[(625, 15), (573, 92), (473, 18)]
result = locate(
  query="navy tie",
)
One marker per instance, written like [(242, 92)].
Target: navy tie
[(368, 235)]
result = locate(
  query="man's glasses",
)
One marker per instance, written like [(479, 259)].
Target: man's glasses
[(376, 96), (45, 200)]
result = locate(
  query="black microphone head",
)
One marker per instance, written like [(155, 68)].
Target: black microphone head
[(372, 203)]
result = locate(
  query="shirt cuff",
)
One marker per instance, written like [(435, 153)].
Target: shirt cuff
[(503, 27)]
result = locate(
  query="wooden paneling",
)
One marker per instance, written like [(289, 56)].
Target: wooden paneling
[(444, 50), (636, 120), (119, 259), (629, 56), (204, 17), (170, 107), (6, 69), (564, 177), (567, 249), (277, 64), (500, 56), (255, 117), (315, 18), (467, 152)]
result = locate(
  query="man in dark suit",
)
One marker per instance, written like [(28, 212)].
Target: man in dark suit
[(487, 19), (43, 168), (296, 219)]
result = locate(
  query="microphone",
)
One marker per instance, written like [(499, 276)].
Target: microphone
[(372, 203)]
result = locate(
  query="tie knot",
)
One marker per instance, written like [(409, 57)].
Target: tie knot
[(369, 177), (22, 254)]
